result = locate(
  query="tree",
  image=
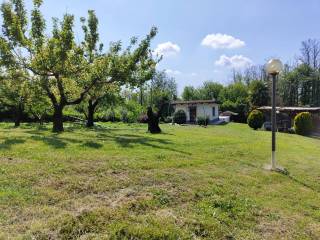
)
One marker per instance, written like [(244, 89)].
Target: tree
[(310, 53), (210, 90), (310, 57), (235, 98), (57, 59), (237, 92), (258, 94), (14, 92), (190, 93), (133, 66), (37, 104), (68, 70), (100, 96), (163, 90)]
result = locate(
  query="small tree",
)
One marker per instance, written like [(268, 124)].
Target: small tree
[(180, 117), (255, 119), (303, 123)]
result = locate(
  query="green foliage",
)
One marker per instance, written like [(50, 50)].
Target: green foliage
[(258, 94), (235, 98), (236, 92), (210, 90), (180, 117), (70, 71), (303, 123), (203, 121), (190, 93), (15, 92), (38, 104), (163, 90), (255, 119)]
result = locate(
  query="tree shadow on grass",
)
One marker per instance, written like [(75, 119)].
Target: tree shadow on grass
[(51, 141), (92, 144), (304, 184), (131, 140), (9, 142), (124, 140)]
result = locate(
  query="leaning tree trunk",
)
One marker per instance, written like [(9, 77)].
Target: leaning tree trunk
[(153, 121), (58, 119)]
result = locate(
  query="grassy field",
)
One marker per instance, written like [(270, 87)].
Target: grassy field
[(119, 182)]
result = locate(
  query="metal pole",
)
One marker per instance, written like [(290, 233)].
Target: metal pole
[(274, 121)]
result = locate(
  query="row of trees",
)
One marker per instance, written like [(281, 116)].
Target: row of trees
[(48, 73), (43, 72), (298, 85)]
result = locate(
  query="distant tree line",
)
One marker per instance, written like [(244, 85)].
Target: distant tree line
[(298, 85)]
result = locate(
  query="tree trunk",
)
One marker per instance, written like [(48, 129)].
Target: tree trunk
[(17, 120), (141, 96), (90, 118), (58, 119), (153, 122)]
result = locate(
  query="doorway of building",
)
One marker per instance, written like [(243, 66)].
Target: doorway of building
[(193, 114)]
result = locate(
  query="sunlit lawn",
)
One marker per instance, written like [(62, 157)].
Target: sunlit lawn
[(119, 182)]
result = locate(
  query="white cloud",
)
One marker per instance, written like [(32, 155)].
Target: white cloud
[(222, 41), (236, 61), (194, 74), (172, 72), (167, 49)]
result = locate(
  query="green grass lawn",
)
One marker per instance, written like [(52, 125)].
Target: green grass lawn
[(119, 182)]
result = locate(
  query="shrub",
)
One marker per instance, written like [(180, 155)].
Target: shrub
[(255, 119), (203, 121), (112, 116), (303, 123), (124, 115), (180, 117)]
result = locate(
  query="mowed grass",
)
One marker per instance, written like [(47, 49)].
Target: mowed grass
[(119, 182)]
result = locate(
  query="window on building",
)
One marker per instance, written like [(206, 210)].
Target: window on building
[(214, 111)]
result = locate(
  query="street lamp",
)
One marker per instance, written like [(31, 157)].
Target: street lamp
[(273, 68)]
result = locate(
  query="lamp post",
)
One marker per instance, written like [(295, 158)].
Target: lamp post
[(273, 68)]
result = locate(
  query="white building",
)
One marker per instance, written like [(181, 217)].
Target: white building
[(198, 108)]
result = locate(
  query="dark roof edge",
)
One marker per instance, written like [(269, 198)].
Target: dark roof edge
[(195, 102)]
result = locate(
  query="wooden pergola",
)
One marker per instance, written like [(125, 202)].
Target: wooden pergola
[(291, 111)]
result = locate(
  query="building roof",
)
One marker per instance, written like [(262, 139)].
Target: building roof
[(229, 113), (292, 109), (193, 102)]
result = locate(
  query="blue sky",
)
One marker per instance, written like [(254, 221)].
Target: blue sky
[(204, 39)]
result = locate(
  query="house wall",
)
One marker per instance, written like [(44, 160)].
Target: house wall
[(203, 110)]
